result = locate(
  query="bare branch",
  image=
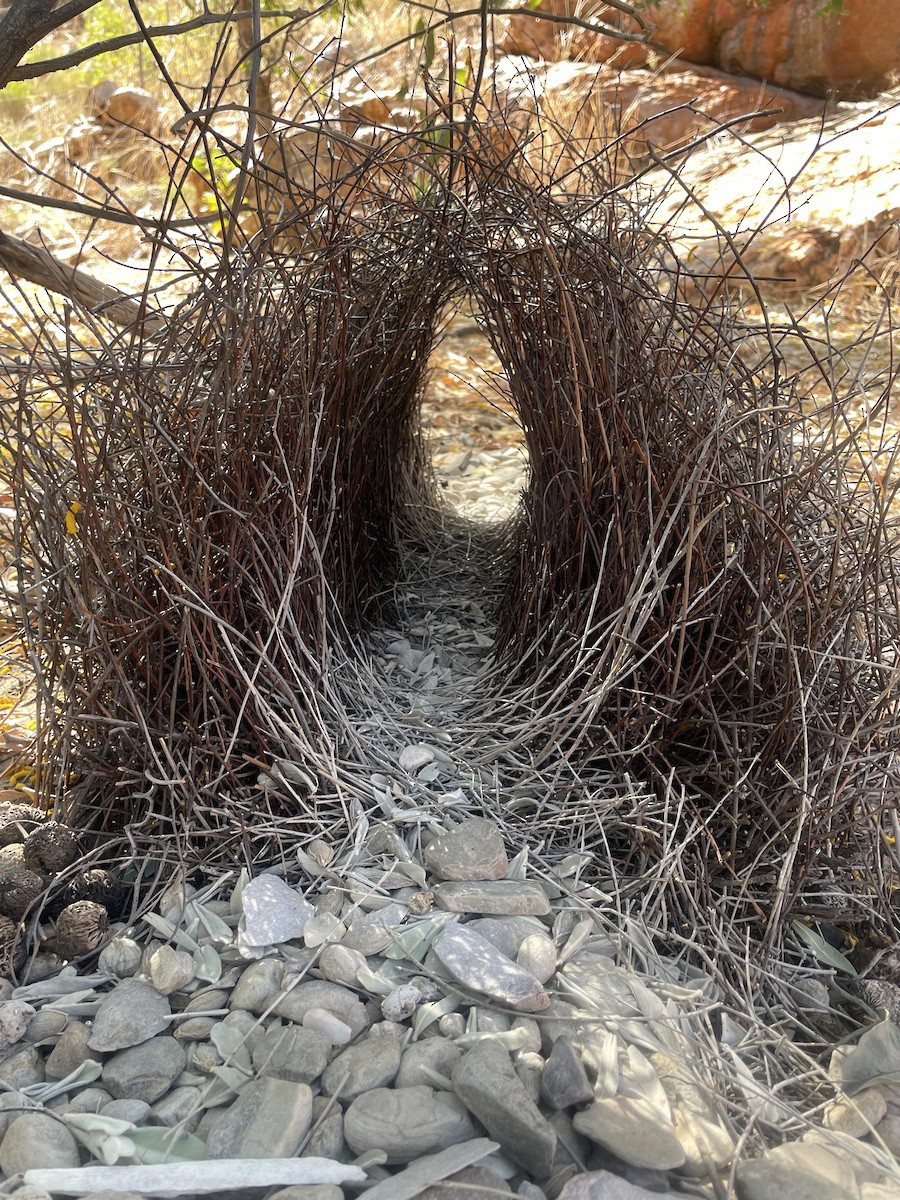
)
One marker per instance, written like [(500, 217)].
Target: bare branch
[(26, 23), (63, 62), (37, 265)]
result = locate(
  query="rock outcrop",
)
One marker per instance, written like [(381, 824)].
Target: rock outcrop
[(797, 44)]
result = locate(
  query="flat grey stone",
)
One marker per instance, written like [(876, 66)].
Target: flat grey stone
[(320, 993), (269, 1119), (406, 1123), (180, 1107), (37, 1140), (474, 962), (372, 1063), (327, 1137), (22, 1066), (431, 1054), (309, 1191), (602, 1185), (485, 1081), (800, 1171), (258, 986), (473, 850), (69, 1052), (371, 932), (132, 1013), (340, 964), (136, 1111), (501, 897), (294, 1053), (91, 1099), (471, 1183), (564, 1081), (144, 1072), (633, 1131), (506, 933), (46, 1025), (273, 912)]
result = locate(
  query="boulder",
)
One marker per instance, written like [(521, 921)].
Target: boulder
[(795, 44)]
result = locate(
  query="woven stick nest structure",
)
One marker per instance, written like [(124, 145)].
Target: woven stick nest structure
[(696, 663)]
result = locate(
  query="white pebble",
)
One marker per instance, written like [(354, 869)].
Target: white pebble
[(320, 1019), (401, 1002)]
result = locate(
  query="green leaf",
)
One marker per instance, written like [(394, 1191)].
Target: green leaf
[(429, 47), (823, 950), (158, 1145)]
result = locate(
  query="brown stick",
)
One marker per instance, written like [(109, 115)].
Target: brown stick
[(39, 266)]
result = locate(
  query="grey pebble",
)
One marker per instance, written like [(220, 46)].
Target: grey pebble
[(474, 850), (501, 897), (471, 1183), (327, 1137), (22, 1067), (406, 1123), (564, 1082), (180, 1105), (487, 1084), (136, 1111), (269, 1119), (132, 1013), (477, 964), (70, 1051), (321, 993), (292, 1052), (340, 964), (371, 932), (372, 1063), (37, 1140), (603, 1185), (48, 1023), (146, 1071), (90, 1099), (258, 986), (432, 1054)]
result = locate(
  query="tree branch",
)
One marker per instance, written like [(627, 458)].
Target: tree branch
[(63, 62), (26, 23), (37, 265)]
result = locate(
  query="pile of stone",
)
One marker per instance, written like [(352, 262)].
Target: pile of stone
[(437, 1024)]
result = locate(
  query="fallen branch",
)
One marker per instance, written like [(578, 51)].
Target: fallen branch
[(37, 265)]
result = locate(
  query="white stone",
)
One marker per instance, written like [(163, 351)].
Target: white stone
[(273, 913)]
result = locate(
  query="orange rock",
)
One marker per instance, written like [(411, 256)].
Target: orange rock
[(789, 43)]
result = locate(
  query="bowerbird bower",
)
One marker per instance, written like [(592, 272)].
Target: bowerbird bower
[(696, 602)]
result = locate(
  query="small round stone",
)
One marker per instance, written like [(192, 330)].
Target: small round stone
[(37, 1140), (340, 964)]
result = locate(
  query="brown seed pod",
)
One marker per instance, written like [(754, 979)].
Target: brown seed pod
[(80, 928), (17, 821), (50, 848), (19, 888)]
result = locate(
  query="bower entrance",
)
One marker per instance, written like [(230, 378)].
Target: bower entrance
[(471, 431)]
